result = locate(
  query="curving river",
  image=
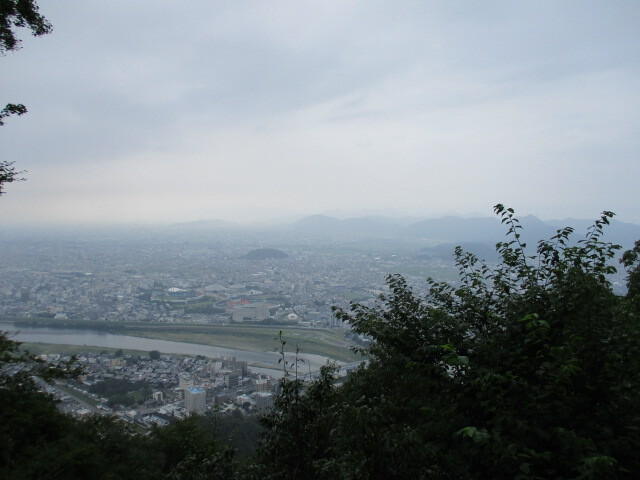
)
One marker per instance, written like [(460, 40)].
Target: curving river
[(68, 336)]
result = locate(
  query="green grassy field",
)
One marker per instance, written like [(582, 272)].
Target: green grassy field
[(253, 338)]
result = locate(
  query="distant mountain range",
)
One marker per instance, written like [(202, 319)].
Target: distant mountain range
[(442, 230), (369, 226)]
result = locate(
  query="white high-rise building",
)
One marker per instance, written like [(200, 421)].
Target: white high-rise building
[(195, 399)]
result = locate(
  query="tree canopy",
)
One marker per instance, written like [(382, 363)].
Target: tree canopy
[(526, 369), (529, 369), (16, 14), (39, 441)]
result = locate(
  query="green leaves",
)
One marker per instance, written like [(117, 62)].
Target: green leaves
[(20, 14), (11, 109), (8, 174), (16, 14), (477, 435), (526, 369)]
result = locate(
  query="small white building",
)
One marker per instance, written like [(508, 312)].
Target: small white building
[(250, 312)]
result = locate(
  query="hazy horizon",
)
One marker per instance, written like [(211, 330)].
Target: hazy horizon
[(248, 217), (159, 112)]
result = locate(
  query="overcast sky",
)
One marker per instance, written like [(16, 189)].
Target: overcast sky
[(167, 110)]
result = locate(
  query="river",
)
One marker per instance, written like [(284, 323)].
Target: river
[(95, 338)]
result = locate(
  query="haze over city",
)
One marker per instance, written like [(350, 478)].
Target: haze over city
[(143, 112), (319, 240)]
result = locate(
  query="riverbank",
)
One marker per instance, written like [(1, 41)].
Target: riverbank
[(84, 339), (39, 348), (253, 338)]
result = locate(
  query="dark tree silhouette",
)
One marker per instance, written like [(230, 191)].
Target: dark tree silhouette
[(16, 14)]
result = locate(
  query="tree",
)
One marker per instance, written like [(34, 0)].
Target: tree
[(20, 14), (154, 355), (11, 109), (40, 441), (296, 435), (190, 451), (529, 369), (631, 261), (28, 417), (8, 174), (16, 14)]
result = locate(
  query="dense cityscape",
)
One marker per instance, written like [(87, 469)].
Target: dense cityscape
[(164, 387), (195, 282), (319, 240), (208, 277), (175, 281)]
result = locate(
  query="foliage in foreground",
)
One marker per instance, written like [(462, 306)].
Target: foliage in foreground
[(40, 442), (15, 14), (528, 370)]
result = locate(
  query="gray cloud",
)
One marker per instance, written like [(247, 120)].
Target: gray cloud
[(323, 105)]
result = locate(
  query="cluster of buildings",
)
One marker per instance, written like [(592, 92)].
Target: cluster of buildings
[(146, 278), (182, 282), (180, 386)]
